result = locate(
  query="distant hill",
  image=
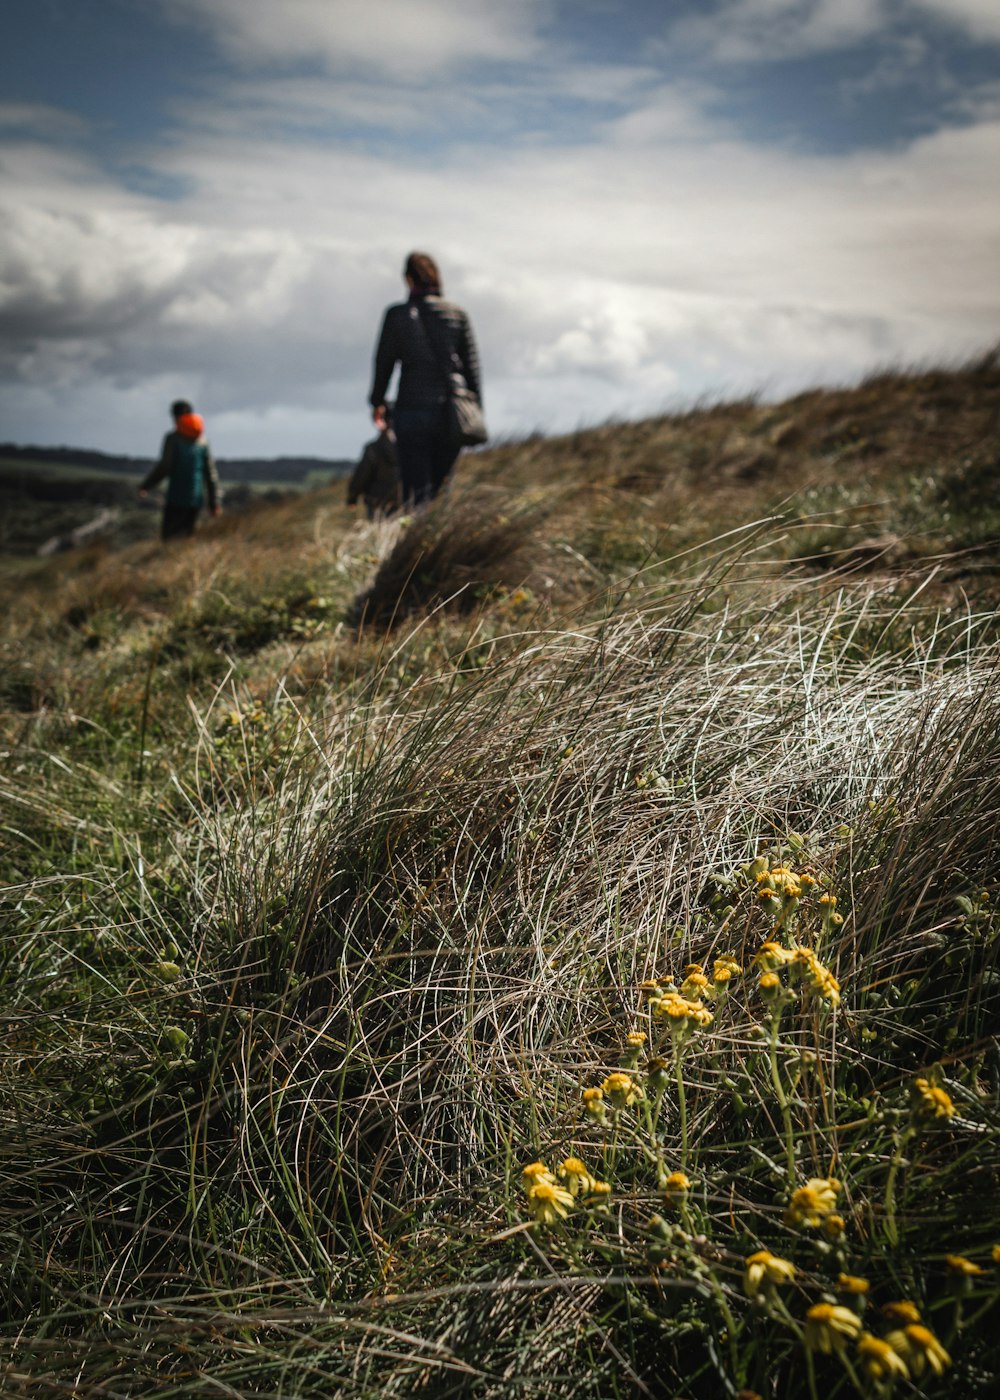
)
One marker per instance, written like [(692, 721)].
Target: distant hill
[(289, 470)]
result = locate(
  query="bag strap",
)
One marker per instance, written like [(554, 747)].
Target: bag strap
[(449, 373)]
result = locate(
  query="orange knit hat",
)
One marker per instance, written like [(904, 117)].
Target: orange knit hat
[(192, 425)]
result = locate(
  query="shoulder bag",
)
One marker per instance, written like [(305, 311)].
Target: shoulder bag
[(466, 423)]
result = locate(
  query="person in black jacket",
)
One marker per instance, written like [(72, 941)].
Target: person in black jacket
[(422, 335)]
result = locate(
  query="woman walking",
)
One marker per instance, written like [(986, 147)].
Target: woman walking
[(431, 340)]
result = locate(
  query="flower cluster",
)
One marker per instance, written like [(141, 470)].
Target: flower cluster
[(928, 1101), (548, 1200), (813, 1203), (803, 966), (764, 1271)]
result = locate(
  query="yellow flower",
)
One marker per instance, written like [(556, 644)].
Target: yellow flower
[(635, 1039), (599, 1188), (770, 983), (929, 1101), (681, 1013), (818, 979), (649, 988), (903, 1312), (878, 1360), (996, 1254), (536, 1171), (829, 1326), (621, 1090), (811, 1203), (676, 1186), (694, 970), (850, 1283), (765, 1268), (578, 1179), (770, 956), (694, 985), (594, 1105), (962, 1267), (725, 967), (920, 1349), (549, 1203)]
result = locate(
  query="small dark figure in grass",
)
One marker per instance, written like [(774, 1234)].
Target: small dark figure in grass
[(376, 477), (186, 463)]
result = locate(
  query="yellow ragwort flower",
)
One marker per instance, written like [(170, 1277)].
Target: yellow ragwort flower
[(694, 970), (549, 1203), (829, 1327), (834, 1226), (770, 956), (578, 1179), (676, 1186), (961, 1267), (903, 1312), (818, 979), (765, 1269), (681, 1013), (534, 1172), (621, 1090), (810, 1204), (929, 1101), (694, 985), (920, 1349), (725, 965), (635, 1039), (878, 1360), (594, 1105), (850, 1283)]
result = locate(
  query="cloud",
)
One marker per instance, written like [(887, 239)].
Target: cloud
[(980, 19), (759, 31), (398, 37), (617, 245), (750, 31)]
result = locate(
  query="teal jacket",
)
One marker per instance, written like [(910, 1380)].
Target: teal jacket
[(190, 469)]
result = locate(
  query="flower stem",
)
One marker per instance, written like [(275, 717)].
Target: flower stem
[(891, 1230), (779, 1090), (682, 1107)]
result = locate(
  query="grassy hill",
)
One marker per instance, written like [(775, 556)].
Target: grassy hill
[(630, 818)]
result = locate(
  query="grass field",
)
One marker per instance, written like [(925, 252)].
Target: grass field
[(544, 948)]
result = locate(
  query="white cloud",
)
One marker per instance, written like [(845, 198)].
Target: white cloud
[(758, 30), (399, 37), (980, 19), (663, 256)]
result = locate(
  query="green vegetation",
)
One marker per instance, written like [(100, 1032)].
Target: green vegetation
[(547, 948)]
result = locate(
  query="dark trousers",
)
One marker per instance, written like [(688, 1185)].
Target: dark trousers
[(178, 521), (426, 452)]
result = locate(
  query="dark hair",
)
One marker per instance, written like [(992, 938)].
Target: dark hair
[(179, 407), (423, 272)]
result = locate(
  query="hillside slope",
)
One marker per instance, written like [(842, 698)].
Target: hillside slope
[(548, 947)]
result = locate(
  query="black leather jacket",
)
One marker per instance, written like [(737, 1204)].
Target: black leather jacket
[(403, 340)]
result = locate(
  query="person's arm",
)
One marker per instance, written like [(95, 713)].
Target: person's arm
[(163, 467), (469, 356), (212, 483), (386, 355)]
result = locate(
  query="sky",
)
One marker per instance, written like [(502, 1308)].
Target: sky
[(640, 203)]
